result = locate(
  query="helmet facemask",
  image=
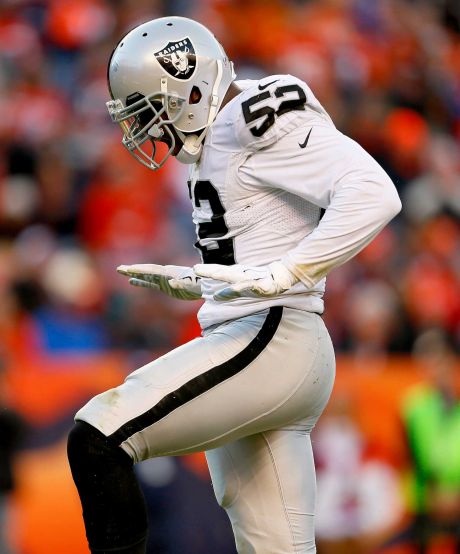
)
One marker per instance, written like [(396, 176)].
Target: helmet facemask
[(146, 120)]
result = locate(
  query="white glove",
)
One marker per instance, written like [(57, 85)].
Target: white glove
[(253, 282), (175, 280)]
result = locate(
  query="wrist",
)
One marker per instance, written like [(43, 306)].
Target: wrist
[(282, 275)]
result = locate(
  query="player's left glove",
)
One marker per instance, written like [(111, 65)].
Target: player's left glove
[(246, 281), (174, 280)]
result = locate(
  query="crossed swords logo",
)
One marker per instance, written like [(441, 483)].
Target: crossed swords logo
[(178, 58)]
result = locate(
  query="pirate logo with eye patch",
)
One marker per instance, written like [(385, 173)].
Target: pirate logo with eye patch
[(178, 58)]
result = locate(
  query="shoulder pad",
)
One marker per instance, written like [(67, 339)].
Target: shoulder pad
[(269, 108)]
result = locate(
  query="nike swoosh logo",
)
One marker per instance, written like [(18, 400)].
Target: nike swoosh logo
[(261, 87), (304, 144)]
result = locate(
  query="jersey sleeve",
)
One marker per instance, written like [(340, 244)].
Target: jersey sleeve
[(330, 170)]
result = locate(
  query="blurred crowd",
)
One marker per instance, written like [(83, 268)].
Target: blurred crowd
[(73, 204)]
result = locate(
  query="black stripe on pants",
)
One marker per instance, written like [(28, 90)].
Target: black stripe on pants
[(204, 382)]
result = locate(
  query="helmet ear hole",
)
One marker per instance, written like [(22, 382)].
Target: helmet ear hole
[(195, 95)]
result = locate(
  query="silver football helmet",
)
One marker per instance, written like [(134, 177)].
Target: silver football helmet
[(167, 79)]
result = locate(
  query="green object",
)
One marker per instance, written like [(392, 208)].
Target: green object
[(433, 431)]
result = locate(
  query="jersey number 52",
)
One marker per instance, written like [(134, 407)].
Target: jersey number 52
[(269, 113)]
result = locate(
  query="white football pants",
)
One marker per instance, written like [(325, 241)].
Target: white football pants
[(248, 392)]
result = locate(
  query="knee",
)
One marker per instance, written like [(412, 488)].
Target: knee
[(86, 446), (79, 438), (82, 441), (224, 477)]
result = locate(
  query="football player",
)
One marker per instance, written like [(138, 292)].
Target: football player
[(280, 197)]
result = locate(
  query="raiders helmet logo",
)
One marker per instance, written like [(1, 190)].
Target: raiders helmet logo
[(178, 58)]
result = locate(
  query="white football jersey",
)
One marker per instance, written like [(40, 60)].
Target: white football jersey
[(272, 163)]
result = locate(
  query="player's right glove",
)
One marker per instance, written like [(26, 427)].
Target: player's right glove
[(247, 281), (175, 280)]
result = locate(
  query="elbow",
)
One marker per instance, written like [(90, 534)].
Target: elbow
[(390, 204), (394, 205)]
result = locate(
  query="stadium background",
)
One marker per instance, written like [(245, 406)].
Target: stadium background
[(74, 205)]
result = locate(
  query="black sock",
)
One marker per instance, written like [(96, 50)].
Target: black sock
[(113, 504)]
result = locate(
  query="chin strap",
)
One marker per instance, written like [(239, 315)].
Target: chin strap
[(214, 96), (192, 147), (193, 144)]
